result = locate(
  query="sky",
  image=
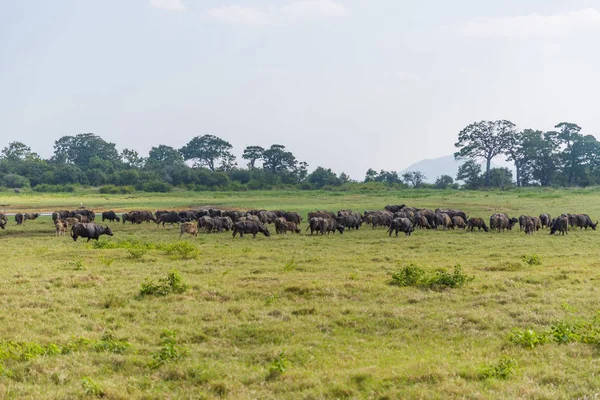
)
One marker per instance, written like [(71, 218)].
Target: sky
[(343, 84)]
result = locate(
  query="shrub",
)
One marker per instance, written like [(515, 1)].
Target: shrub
[(137, 254), (14, 181), (278, 366), (46, 188), (172, 283), (503, 369), (532, 259), (156, 187), (168, 352), (112, 189), (527, 338), (414, 275), (91, 388), (182, 250)]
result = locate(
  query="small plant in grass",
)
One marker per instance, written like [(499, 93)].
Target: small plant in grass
[(528, 338), (278, 366), (290, 265), (172, 283), (110, 344), (503, 369), (77, 265), (414, 275), (91, 388), (271, 298), (136, 254), (168, 352), (181, 250), (563, 333), (106, 261), (532, 259)]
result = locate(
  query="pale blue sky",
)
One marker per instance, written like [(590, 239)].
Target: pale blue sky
[(346, 84)]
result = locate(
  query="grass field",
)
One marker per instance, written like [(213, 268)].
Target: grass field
[(295, 316)]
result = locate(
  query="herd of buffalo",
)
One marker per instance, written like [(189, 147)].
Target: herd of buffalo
[(395, 218)]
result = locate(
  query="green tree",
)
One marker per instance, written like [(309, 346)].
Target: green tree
[(321, 177), (486, 140), (414, 178), (207, 151), (80, 149), (501, 178), (252, 154), (443, 182), (470, 173), (276, 159), (17, 152), (132, 159), (162, 156), (371, 175)]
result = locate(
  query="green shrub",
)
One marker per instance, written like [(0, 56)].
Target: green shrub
[(168, 352), (278, 366), (181, 250), (113, 189), (91, 388), (172, 283), (503, 369), (137, 254), (156, 187), (46, 188), (414, 275), (528, 338), (532, 259), (110, 344)]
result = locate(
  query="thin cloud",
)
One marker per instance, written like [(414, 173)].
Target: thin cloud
[(532, 25), (256, 15), (239, 15), (170, 5)]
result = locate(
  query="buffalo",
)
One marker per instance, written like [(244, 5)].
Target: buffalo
[(110, 216), (458, 223), (560, 224), (501, 222), (188, 227), (89, 231), (293, 217), (453, 213), (3, 221), (476, 223), (401, 225), (222, 223), (545, 220), (170, 217), (314, 224), (331, 225), (61, 227), (19, 218), (529, 227), (252, 227), (207, 223)]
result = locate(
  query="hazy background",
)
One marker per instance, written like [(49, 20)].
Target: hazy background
[(346, 84)]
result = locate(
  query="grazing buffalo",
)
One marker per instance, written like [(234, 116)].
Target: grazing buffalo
[(3, 221), (293, 217), (331, 225), (71, 220), (443, 220), (61, 227), (170, 217), (545, 220), (82, 218), (529, 227), (207, 223), (401, 225), (283, 226), (501, 222), (394, 209), (222, 223), (110, 216), (453, 213), (89, 231), (583, 221), (422, 222), (476, 223), (523, 219), (560, 224), (458, 223), (314, 224), (188, 227), (252, 227), (350, 221), (537, 223)]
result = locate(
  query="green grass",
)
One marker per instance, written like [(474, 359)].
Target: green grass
[(295, 316)]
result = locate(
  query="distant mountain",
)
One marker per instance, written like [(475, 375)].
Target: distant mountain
[(446, 165)]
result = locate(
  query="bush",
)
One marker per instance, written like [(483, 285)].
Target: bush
[(168, 352), (414, 275), (112, 189), (172, 283), (532, 259), (14, 181), (503, 369), (46, 188), (156, 187), (527, 338)]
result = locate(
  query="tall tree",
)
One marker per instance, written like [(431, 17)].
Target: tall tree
[(276, 159), (207, 151), (81, 148), (470, 174), (132, 158), (252, 154), (573, 150), (541, 149), (163, 156), (484, 139), (16, 152), (371, 175), (414, 178)]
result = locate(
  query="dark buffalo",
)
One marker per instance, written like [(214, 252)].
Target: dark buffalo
[(561, 224), (252, 227), (207, 223), (583, 221), (222, 223), (89, 231), (110, 216), (401, 225), (314, 224), (320, 214), (422, 222), (458, 223), (545, 220), (523, 219), (452, 213), (476, 223), (19, 218), (293, 217), (529, 227), (394, 209), (3, 221), (331, 225), (170, 217)]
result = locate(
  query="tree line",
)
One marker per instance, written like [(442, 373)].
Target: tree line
[(562, 157)]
